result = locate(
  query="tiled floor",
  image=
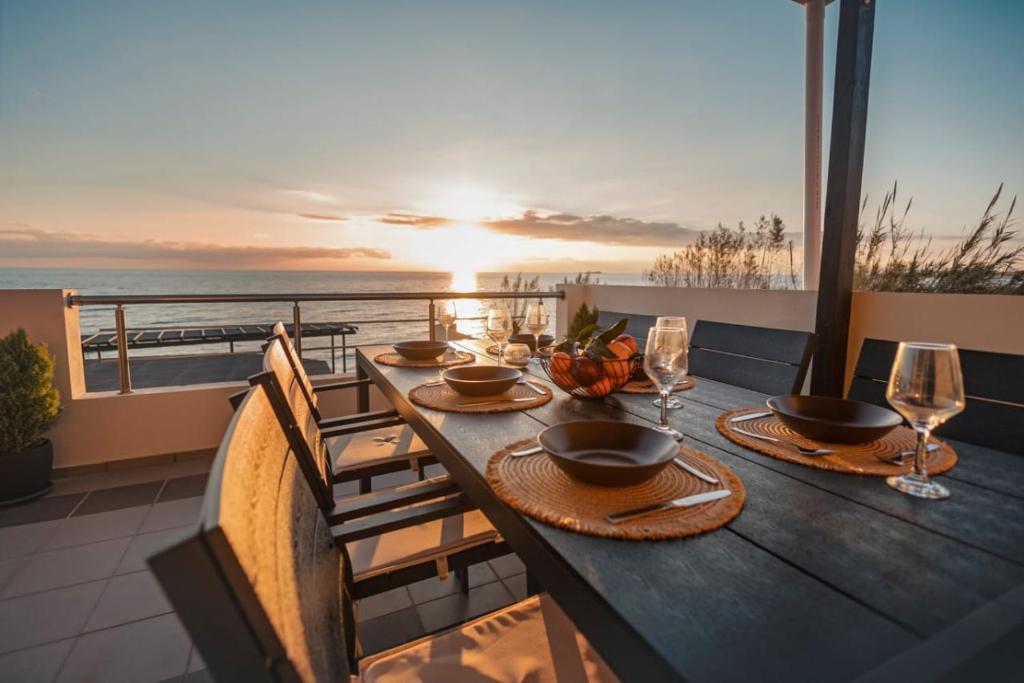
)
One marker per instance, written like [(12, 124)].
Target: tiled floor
[(78, 602)]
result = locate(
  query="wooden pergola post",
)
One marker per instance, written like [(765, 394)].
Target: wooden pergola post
[(842, 194)]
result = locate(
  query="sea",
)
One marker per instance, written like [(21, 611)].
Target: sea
[(375, 319)]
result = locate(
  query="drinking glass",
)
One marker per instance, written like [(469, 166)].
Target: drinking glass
[(499, 327), (927, 388), (447, 317), (665, 362), (679, 323), (536, 321)]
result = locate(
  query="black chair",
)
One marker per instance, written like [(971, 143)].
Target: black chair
[(267, 595), (637, 327), (993, 383), (362, 445), (764, 359), (420, 530)]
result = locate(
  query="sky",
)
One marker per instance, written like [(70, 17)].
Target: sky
[(536, 136)]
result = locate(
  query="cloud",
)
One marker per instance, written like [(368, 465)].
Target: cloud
[(322, 217), (413, 220), (602, 229), (22, 242)]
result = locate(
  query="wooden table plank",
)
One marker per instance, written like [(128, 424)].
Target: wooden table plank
[(976, 516), (725, 589), (918, 578)]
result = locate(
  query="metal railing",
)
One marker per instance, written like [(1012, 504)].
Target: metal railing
[(121, 301)]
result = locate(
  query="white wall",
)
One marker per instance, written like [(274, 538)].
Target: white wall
[(103, 427), (106, 426), (981, 322)]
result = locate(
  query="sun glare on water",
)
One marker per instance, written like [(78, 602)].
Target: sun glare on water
[(463, 280)]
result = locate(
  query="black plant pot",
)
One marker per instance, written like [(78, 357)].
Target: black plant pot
[(25, 474)]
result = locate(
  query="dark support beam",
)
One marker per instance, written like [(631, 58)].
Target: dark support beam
[(842, 195)]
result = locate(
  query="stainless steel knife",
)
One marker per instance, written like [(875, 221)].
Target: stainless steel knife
[(688, 501), (749, 416)]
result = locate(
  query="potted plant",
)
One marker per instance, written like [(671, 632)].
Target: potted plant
[(29, 405)]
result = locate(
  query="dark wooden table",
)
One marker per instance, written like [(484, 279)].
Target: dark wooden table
[(823, 576)]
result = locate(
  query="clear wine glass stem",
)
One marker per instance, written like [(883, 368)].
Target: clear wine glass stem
[(664, 408), (920, 468), (445, 334), (501, 352), (536, 345)]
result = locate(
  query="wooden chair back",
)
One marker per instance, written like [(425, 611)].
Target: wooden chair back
[(293, 411), (305, 383), (994, 416), (764, 359), (260, 585)]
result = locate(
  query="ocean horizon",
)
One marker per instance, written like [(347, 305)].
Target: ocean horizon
[(371, 316)]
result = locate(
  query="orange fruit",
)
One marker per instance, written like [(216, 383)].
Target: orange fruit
[(620, 349), (629, 342), (585, 370)]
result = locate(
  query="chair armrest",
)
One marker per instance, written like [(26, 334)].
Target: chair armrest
[(362, 427), (343, 420), (353, 507), (347, 384), (236, 398), (384, 522)]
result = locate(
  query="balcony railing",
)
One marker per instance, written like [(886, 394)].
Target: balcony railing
[(120, 302)]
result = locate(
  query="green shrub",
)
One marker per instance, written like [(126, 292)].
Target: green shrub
[(29, 403)]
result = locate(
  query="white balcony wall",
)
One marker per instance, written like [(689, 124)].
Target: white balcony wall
[(103, 427), (98, 428)]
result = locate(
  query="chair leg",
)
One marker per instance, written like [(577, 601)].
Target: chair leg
[(463, 576), (533, 586), (364, 485)]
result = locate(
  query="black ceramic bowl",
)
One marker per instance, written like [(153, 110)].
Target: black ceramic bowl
[(608, 453), (481, 380), (834, 420), (420, 350), (545, 340)]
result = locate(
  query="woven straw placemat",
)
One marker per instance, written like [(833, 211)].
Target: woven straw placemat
[(849, 458), (647, 387), (443, 397), (535, 486), (449, 359)]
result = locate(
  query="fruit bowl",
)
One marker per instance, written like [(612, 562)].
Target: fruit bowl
[(584, 377)]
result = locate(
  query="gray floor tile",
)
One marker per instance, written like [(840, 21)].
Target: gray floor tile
[(516, 586), (67, 566), (141, 652), (183, 487), (144, 545), (129, 597), (123, 476), (195, 661), (42, 510), (25, 539), (101, 526), (173, 513), (35, 665), (389, 630), (46, 617), (8, 570), (119, 497), (384, 603), (431, 589), (454, 609), (507, 565)]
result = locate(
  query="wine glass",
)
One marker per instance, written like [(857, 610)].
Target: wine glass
[(447, 317), (927, 388), (679, 323), (665, 362), (499, 327), (536, 321)]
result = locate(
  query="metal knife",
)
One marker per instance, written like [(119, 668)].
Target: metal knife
[(495, 400), (534, 450), (749, 416), (682, 464), (688, 501)]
